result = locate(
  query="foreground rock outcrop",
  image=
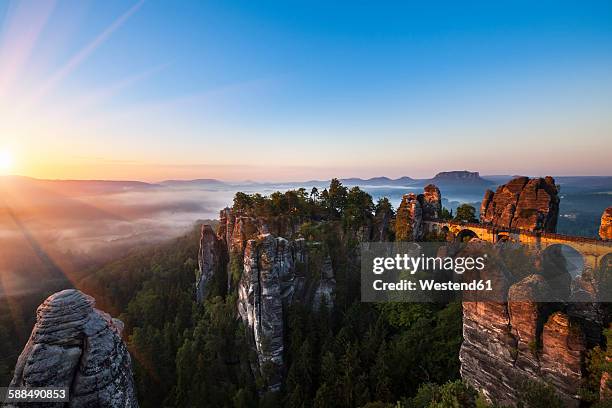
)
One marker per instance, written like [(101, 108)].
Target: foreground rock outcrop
[(524, 203), (605, 228), (76, 346), (525, 336), (507, 344)]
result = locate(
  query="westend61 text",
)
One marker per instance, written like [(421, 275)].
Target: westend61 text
[(429, 285)]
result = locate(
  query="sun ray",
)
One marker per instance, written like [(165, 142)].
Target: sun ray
[(6, 161), (23, 28), (81, 56)]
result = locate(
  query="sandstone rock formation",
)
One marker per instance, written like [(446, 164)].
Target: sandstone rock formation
[(528, 204), (431, 201), (273, 277), (414, 209), (488, 353), (563, 349), (76, 346), (324, 293), (260, 304), (409, 219), (508, 343), (382, 220), (605, 384), (526, 317), (605, 229), (210, 260), (242, 229), (272, 272)]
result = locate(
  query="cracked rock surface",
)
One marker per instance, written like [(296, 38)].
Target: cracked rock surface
[(76, 346)]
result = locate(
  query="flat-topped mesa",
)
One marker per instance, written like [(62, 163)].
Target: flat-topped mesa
[(523, 203), (414, 209), (76, 346), (458, 176), (605, 228)]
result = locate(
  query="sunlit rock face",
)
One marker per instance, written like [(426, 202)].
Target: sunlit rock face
[(528, 204), (507, 343), (487, 352), (563, 350), (414, 209), (236, 228), (526, 319), (605, 229), (431, 201), (409, 219), (605, 384), (496, 361), (76, 346)]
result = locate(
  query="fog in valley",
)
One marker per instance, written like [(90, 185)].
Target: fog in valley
[(57, 230)]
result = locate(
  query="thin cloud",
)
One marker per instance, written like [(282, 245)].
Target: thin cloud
[(104, 93), (84, 53), (22, 29)]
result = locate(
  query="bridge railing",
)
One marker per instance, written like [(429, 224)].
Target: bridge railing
[(548, 235)]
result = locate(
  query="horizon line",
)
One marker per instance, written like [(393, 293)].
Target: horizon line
[(255, 181)]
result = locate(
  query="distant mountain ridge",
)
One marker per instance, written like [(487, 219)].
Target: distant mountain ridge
[(457, 179), (379, 181), (74, 187), (464, 177), (200, 182)]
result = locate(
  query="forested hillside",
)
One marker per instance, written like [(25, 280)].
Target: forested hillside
[(190, 354), (187, 354)]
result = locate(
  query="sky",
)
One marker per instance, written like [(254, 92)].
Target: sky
[(276, 91)]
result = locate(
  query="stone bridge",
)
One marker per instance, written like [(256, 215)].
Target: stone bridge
[(595, 252)]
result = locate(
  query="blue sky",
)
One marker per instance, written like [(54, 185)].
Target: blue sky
[(301, 90)]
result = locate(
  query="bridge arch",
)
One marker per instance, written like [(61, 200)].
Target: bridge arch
[(503, 237), (605, 264), (565, 257), (603, 276), (466, 234), (561, 264)]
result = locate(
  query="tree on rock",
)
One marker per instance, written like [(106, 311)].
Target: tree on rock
[(466, 213)]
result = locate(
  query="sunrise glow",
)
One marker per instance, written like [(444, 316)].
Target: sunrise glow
[(83, 98), (6, 161)]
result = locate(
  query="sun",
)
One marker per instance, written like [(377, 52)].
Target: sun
[(6, 161)]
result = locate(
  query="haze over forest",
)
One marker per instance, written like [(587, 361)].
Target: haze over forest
[(80, 223)]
